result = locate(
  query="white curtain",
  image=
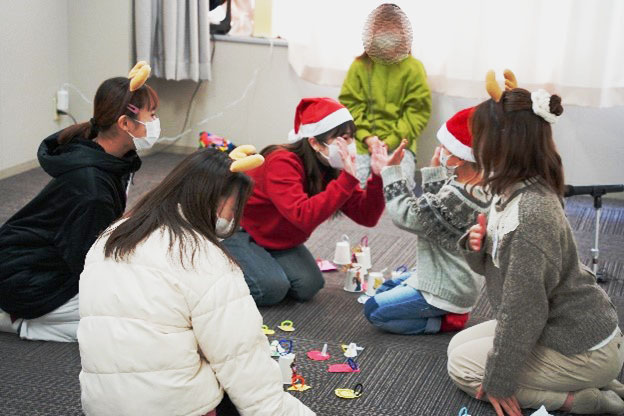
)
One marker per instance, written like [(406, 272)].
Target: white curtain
[(574, 48), (173, 36)]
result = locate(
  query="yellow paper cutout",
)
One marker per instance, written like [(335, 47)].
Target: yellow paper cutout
[(267, 331), (286, 326), (347, 393)]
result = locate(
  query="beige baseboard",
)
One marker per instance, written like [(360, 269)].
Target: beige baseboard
[(22, 167)]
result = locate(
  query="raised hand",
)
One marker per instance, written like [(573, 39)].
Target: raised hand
[(379, 158), (348, 160), (398, 154), (477, 233), (435, 160)]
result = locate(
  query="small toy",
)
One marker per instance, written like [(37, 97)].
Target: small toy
[(267, 331), (351, 350), (349, 367), (350, 393), (317, 355), (286, 326), (298, 383), (217, 142)]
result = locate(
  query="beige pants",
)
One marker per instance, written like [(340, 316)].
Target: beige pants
[(547, 376)]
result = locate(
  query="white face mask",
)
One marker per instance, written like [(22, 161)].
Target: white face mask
[(334, 159), (223, 226), (152, 133), (444, 158)]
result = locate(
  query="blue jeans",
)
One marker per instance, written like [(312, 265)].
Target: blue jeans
[(401, 309), (274, 274)]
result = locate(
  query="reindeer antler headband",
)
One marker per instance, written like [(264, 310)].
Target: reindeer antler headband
[(138, 75), (539, 98), (494, 89), (245, 158)]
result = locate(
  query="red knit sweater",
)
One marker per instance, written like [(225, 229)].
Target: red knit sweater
[(280, 214)]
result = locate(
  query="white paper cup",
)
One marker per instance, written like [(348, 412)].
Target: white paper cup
[(373, 281), (353, 280), (285, 362), (363, 261), (367, 262), (342, 255)]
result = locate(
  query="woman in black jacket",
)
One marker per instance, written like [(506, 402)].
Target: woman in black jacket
[(43, 246)]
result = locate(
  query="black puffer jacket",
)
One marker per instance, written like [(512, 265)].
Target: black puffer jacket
[(44, 245)]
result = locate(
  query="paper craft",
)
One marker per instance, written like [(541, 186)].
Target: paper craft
[(541, 412), (326, 265), (286, 326), (267, 331), (353, 279), (463, 412), (275, 348), (342, 255), (317, 355), (286, 364), (349, 367), (298, 384), (350, 393), (351, 350)]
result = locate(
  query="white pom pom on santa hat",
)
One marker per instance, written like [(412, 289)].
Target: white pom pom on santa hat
[(315, 116)]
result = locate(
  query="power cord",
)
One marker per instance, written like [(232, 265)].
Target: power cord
[(65, 113)]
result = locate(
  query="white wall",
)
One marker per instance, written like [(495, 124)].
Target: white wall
[(33, 63), (100, 41)]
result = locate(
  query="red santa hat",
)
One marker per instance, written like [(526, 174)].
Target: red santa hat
[(316, 116), (456, 137)]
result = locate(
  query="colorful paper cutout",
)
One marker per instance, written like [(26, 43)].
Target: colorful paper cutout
[(350, 393), (286, 326)]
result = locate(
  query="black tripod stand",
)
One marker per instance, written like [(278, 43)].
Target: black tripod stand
[(596, 191)]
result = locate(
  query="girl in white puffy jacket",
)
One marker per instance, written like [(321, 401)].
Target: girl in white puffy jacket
[(168, 326)]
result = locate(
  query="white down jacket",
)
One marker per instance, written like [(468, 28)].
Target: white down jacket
[(158, 339)]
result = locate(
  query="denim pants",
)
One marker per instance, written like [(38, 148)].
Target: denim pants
[(274, 274), (401, 309)]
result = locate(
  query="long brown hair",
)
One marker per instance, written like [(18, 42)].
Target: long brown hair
[(511, 143), (111, 102), (317, 173), (185, 204)]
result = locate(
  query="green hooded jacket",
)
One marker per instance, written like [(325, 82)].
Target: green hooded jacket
[(392, 102)]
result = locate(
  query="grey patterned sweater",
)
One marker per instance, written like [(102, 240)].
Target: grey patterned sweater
[(439, 217), (539, 290)]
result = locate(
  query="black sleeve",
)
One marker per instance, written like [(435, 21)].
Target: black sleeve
[(82, 225)]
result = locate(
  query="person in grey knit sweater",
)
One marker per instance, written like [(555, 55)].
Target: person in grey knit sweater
[(555, 340), (441, 292)]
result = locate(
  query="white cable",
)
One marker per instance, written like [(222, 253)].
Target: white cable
[(67, 84)]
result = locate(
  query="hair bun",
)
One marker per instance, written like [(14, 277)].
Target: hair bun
[(555, 105)]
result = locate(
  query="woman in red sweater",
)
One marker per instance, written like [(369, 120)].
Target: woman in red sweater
[(301, 184)]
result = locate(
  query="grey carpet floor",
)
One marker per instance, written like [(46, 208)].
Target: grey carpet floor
[(401, 375)]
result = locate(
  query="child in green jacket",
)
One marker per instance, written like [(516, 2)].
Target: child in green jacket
[(386, 90)]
